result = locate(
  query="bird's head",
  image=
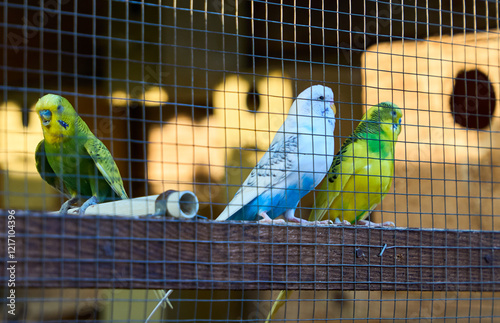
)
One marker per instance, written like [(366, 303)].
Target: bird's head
[(316, 101), (388, 115), (57, 117)]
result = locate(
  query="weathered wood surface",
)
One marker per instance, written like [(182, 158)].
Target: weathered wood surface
[(116, 252)]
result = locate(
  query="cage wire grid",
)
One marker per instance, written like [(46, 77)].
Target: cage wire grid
[(188, 96)]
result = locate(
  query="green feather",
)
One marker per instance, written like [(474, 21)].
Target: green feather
[(71, 158)]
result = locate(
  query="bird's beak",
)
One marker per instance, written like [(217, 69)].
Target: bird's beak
[(399, 120), (45, 116), (334, 108)]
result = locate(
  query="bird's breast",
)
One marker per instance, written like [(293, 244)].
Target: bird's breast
[(376, 166), (67, 156)]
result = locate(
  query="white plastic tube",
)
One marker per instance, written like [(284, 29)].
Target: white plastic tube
[(179, 204)]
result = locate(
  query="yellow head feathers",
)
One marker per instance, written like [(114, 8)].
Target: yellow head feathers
[(57, 117)]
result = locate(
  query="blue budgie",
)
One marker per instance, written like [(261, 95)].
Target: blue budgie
[(295, 163)]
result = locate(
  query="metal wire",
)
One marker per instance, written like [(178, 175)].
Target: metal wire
[(188, 95)]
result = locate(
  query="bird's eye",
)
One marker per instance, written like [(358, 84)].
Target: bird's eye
[(394, 114), (60, 108), (321, 98)]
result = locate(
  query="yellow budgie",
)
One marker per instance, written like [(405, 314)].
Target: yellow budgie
[(362, 171), (360, 176)]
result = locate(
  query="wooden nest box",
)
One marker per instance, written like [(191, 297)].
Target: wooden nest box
[(447, 157)]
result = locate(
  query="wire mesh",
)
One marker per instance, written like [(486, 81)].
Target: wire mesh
[(188, 96)]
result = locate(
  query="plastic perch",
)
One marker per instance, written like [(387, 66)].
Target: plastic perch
[(183, 204)]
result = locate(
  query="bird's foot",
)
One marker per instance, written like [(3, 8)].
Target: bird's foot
[(306, 222), (89, 202), (324, 222), (66, 205), (266, 219), (375, 225), (290, 217), (343, 222)]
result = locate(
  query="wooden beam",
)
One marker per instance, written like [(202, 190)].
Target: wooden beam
[(117, 252)]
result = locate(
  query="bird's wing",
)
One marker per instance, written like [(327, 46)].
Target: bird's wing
[(272, 170), (45, 170), (106, 165), (342, 169)]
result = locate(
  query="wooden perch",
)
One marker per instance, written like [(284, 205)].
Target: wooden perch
[(112, 252)]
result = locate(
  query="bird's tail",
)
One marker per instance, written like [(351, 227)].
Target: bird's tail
[(223, 215), (278, 303)]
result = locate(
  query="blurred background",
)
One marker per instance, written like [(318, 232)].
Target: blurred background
[(188, 95)]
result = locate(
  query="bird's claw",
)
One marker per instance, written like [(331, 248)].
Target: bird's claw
[(343, 222), (271, 221), (324, 222), (89, 202), (292, 219), (66, 205), (374, 224), (64, 208), (267, 220), (306, 222)]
